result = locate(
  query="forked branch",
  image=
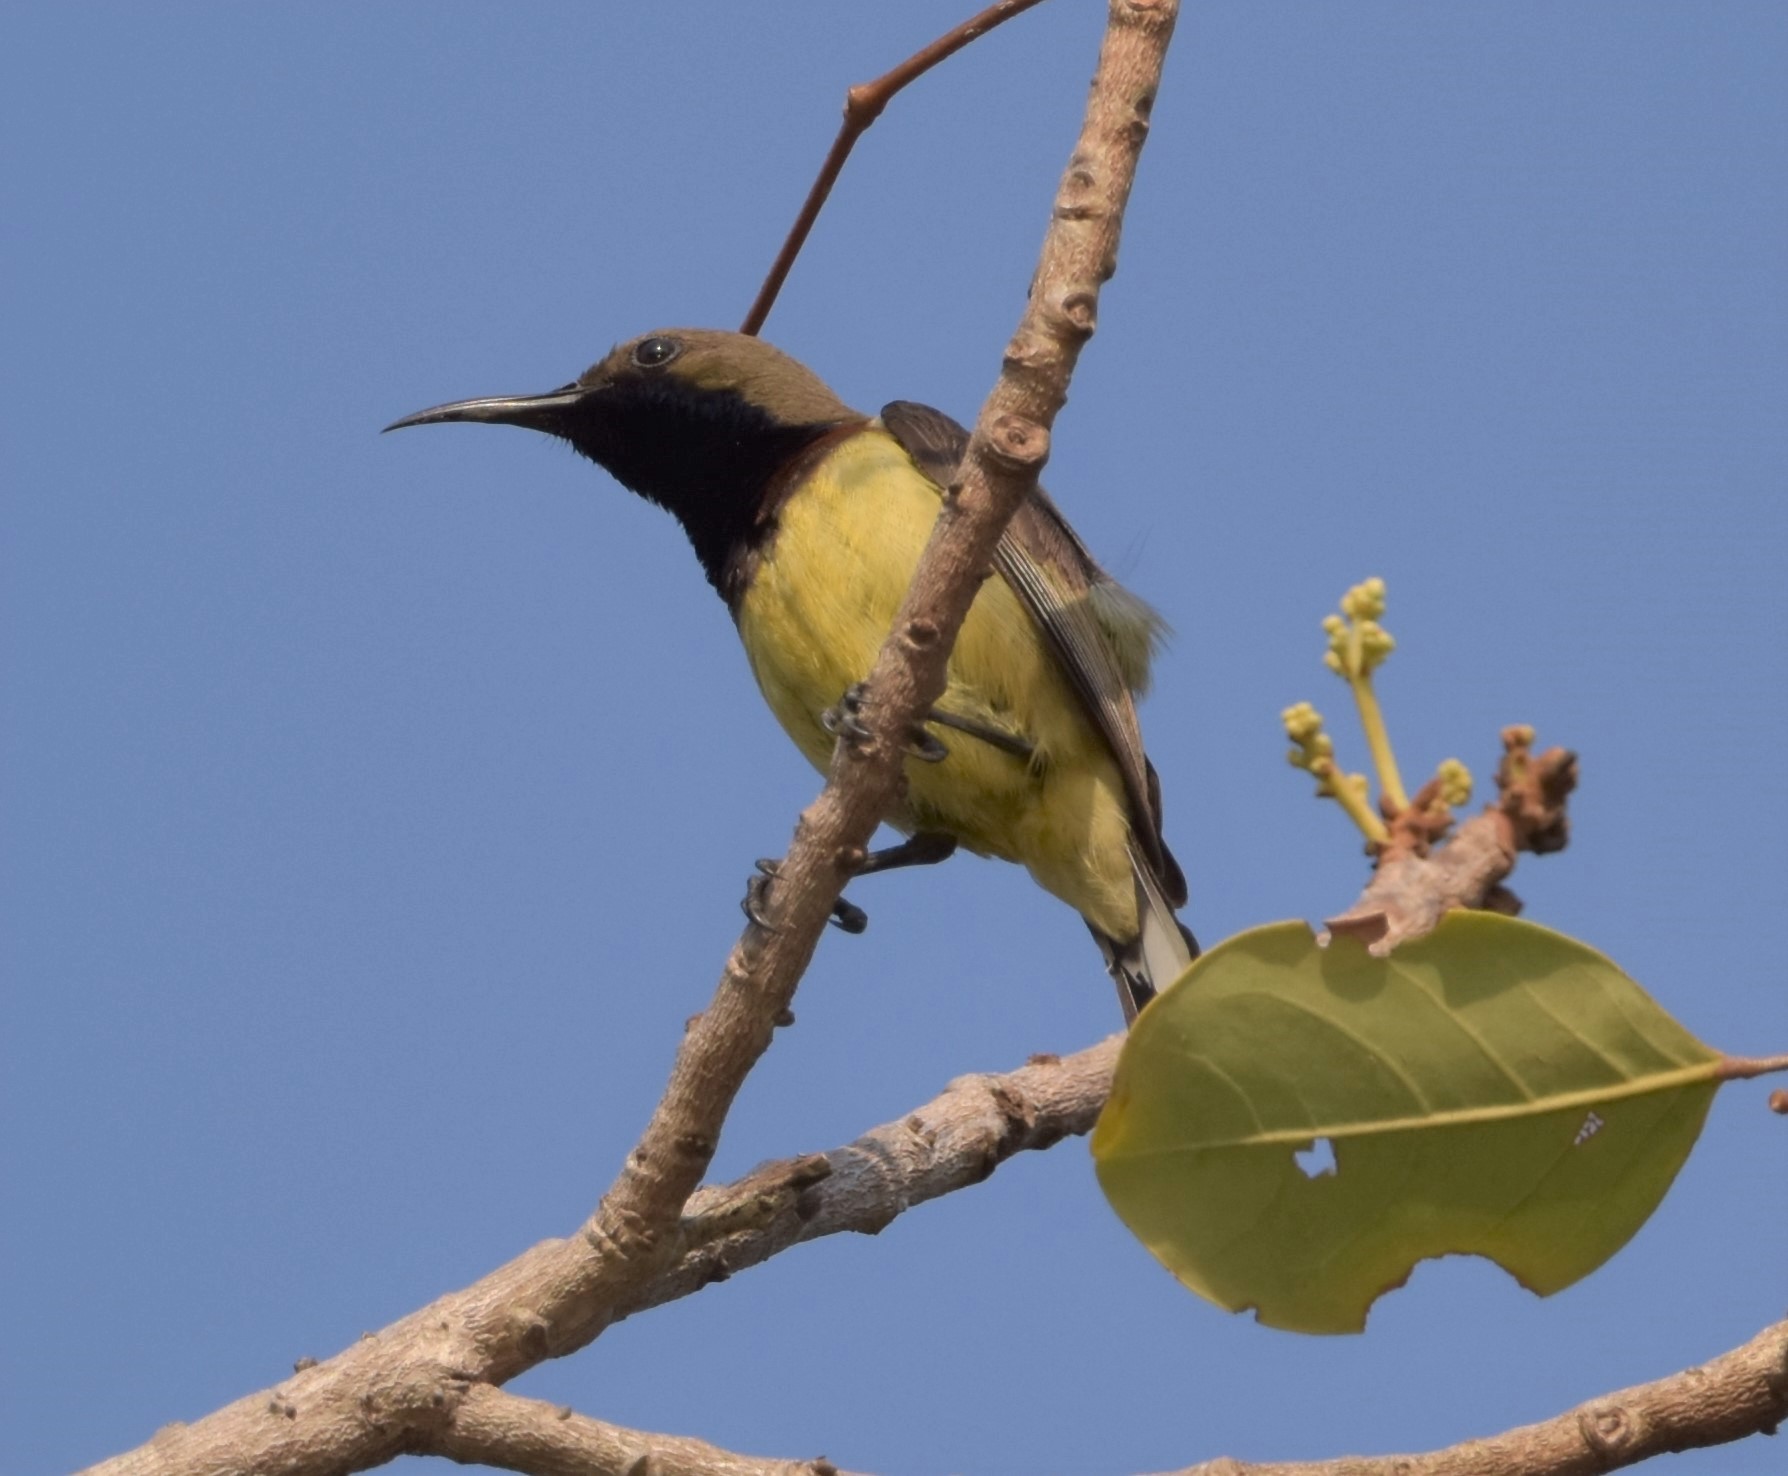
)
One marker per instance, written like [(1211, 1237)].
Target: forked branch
[(863, 104)]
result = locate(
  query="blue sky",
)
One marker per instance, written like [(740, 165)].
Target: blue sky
[(377, 809)]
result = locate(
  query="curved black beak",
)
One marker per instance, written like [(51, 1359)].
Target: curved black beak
[(534, 412)]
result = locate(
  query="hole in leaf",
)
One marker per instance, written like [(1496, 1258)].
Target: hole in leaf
[(1318, 1159), (1592, 1124)]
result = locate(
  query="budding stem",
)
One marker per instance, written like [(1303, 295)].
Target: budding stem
[(1390, 782)]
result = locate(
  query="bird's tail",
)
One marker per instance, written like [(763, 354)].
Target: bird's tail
[(1157, 955)]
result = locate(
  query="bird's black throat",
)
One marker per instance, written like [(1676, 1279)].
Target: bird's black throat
[(711, 457)]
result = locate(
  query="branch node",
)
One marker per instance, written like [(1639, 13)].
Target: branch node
[(1029, 353), (1079, 198), (1017, 1116), (531, 1332), (863, 103), (1017, 442), (1608, 1429), (1080, 313)]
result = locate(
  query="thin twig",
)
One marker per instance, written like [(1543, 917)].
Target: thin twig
[(863, 104), (1739, 1394)]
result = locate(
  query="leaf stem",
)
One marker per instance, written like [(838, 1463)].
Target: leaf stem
[(1748, 1068)]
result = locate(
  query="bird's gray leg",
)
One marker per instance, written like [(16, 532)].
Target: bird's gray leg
[(1006, 742), (926, 848), (923, 848)]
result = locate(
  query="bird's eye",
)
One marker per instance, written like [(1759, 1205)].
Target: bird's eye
[(655, 353)]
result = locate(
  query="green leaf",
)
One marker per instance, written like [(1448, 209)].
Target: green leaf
[(1493, 1089)]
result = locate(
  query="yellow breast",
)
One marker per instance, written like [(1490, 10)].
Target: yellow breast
[(820, 604)]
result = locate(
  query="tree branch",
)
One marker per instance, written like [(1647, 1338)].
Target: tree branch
[(396, 1390), (517, 1434), (1412, 888), (1739, 1394), (955, 1140)]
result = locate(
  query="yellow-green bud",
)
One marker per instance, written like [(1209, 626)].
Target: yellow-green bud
[(1365, 601), (1455, 783), (1375, 645), (1303, 725), (1302, 721), (1357, 642)]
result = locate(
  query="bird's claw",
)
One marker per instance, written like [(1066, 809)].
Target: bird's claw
[(847, 917), (845, 721), (842, 721), (757, 893), (926, 748)]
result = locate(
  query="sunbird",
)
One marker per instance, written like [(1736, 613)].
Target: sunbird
[(808, 518)]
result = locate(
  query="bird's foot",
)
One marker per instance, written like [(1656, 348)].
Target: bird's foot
[(757, 894), (846, 916), (845, 721)]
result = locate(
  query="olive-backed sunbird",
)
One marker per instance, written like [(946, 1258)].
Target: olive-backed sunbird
[(808, 518)]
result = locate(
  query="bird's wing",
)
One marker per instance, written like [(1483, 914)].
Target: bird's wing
[(1101, 634)]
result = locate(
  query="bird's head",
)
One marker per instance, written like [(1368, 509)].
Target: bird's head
[(676, 414)]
